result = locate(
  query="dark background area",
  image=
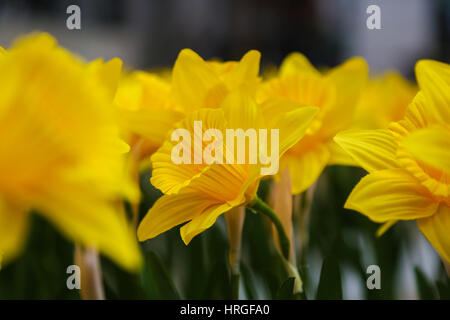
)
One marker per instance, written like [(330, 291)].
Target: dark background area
[(150, 33)]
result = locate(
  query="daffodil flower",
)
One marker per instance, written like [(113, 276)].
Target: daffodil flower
[(200, 193), (146, 109), (60, 153), (335, 93), (408, 164), (150, 104)]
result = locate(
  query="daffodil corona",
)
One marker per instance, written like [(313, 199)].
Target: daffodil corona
[(408, 164)]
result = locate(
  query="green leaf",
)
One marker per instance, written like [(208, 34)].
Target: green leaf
[(425, 288), (443, 287), (248, 280), (157, 282), (330, 284), (285, 292)]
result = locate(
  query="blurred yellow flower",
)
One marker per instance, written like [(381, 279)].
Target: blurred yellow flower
[(383, 100), (200, 193), (60, 154), (335, 93), (408, 164), (146, 109)]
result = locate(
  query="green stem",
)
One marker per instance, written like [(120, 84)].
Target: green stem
[(261, 207)]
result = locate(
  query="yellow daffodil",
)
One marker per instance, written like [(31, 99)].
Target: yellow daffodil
[(200, 84), (150, 103), (146, 109), (335, 93), (383, 100), (60, 154), (408, 164), (200, 193)]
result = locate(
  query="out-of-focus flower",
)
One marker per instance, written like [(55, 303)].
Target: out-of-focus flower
[(200, 193), (146, 110), (408, 164), (383, 100), (60, 153), (335, 93)]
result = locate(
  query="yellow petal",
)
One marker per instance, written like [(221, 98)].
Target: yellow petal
[(384, 99), (416, 117), (142, 90), (306, 168), (203, 222), (170, 177), (92, 223), (241, 111), (172, 210), (349, 79), (371, 149), (237, 186), (436, 230), (194, 83), (108, 73), (295, 63), (245, 73), (385, 227), (291, 119), (121, 146), (13, 228), (339, 156), (430, 145), (152, 124), (391, 194), (200, 202), (434, 80)]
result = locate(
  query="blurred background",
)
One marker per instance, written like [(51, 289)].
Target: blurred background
[(148, 34)]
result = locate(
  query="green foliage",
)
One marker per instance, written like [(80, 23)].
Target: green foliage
[(330, 284)]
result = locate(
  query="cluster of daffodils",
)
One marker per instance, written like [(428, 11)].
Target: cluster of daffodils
[(75, 136)]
